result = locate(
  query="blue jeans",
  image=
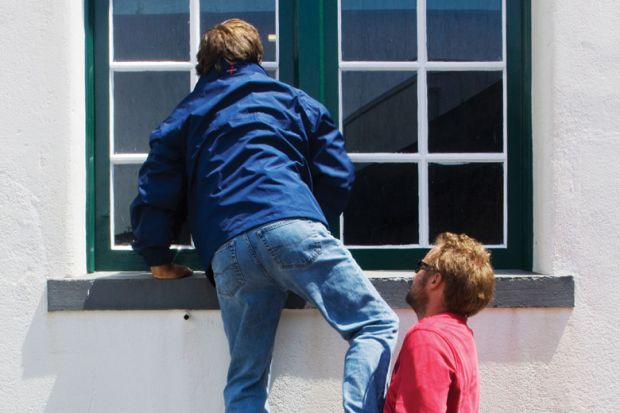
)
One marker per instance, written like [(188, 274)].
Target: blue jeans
[(253, 273)]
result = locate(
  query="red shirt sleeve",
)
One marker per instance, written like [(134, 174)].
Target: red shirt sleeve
[(423, 375)]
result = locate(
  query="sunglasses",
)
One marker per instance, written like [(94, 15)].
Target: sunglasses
[(421, 265)]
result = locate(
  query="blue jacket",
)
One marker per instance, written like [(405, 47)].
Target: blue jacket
[(241, 150)]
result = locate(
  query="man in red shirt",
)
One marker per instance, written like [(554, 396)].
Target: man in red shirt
[(437, 368)]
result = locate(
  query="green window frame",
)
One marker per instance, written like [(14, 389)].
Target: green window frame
[(309, 59)]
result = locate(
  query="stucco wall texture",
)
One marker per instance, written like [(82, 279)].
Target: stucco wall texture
[(532, 360)]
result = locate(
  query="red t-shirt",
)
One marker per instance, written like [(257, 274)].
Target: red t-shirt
[(437, 368)]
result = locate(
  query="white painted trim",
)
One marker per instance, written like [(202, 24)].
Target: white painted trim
[(407, 246), (194, 39), (277, 17), (111, 117), (380, 66), (505, 117), (167, 66), (173, 246), (270, 65), (159, 66), (384, 247), (464, 66), (429, 66), (423, 197), (127, 158), (429, 157), (340, 124)]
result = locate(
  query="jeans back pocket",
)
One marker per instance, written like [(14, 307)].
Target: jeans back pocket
[(292, 243)]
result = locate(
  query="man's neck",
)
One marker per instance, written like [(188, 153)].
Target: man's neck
[(432, 310)]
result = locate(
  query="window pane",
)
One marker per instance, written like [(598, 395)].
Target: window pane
[(465, 112), (380, 111), (141, 101), (460, 30), (260, 13), (125, 190), (151, 30), (379, 30), (467, 198), (383, 208)]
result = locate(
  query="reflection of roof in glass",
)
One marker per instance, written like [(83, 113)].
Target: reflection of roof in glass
[(431, 4), (226, 6), (180, 7)]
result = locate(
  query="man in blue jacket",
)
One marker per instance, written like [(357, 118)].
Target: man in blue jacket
[(258, 168)]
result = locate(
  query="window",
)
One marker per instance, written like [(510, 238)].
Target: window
[(432, 96)]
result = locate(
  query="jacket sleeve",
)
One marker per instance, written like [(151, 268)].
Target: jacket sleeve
[(332, 170), (160, 209)]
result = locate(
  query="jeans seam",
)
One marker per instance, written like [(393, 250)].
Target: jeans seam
[(317, 249), (273, 226), (255, 257), (237, 272)]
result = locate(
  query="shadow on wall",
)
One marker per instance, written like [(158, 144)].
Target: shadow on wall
[(307, 364), (130, 361), (519, 335)]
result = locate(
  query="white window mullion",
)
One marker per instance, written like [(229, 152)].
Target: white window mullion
[(380, 66), (194, 38), (270, 65), (111, 79), (423, 198), (155, 66), (442, 158), (465, 66), (505, 122), (111, 117), (277, 17), (340, 113), (127, 158)]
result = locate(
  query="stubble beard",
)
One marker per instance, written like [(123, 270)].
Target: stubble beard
[(417, 300)]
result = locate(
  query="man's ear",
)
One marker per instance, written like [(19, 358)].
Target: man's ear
[(436, 280)]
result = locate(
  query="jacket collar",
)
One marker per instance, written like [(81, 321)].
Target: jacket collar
[(230, 70)]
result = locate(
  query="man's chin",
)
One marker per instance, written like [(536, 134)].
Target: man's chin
[(417, 306), (411, 301)]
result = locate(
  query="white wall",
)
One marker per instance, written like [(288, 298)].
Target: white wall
[(531, 360)]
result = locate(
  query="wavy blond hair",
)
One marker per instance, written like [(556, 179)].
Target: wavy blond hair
[(230, 41), (466, 270)]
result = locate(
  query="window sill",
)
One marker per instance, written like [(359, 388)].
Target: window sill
[(139, 291)]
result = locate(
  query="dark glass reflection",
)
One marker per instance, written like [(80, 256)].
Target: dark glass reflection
[(383, 208), (380, 111), (125, 190), (375, 30), (151, 30), (465, 112), (260, 13), (467, 199), (141, 101), (460, 30)]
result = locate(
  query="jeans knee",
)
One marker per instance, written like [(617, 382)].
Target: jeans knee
[(386, 324), (389, 329)]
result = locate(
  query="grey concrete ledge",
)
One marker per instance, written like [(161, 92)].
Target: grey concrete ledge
[(139, 291)]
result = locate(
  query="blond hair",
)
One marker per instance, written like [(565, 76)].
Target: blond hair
[(466, 270), (230, 41)]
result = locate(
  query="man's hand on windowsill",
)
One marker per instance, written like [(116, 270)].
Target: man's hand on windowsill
[(170, 271)]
